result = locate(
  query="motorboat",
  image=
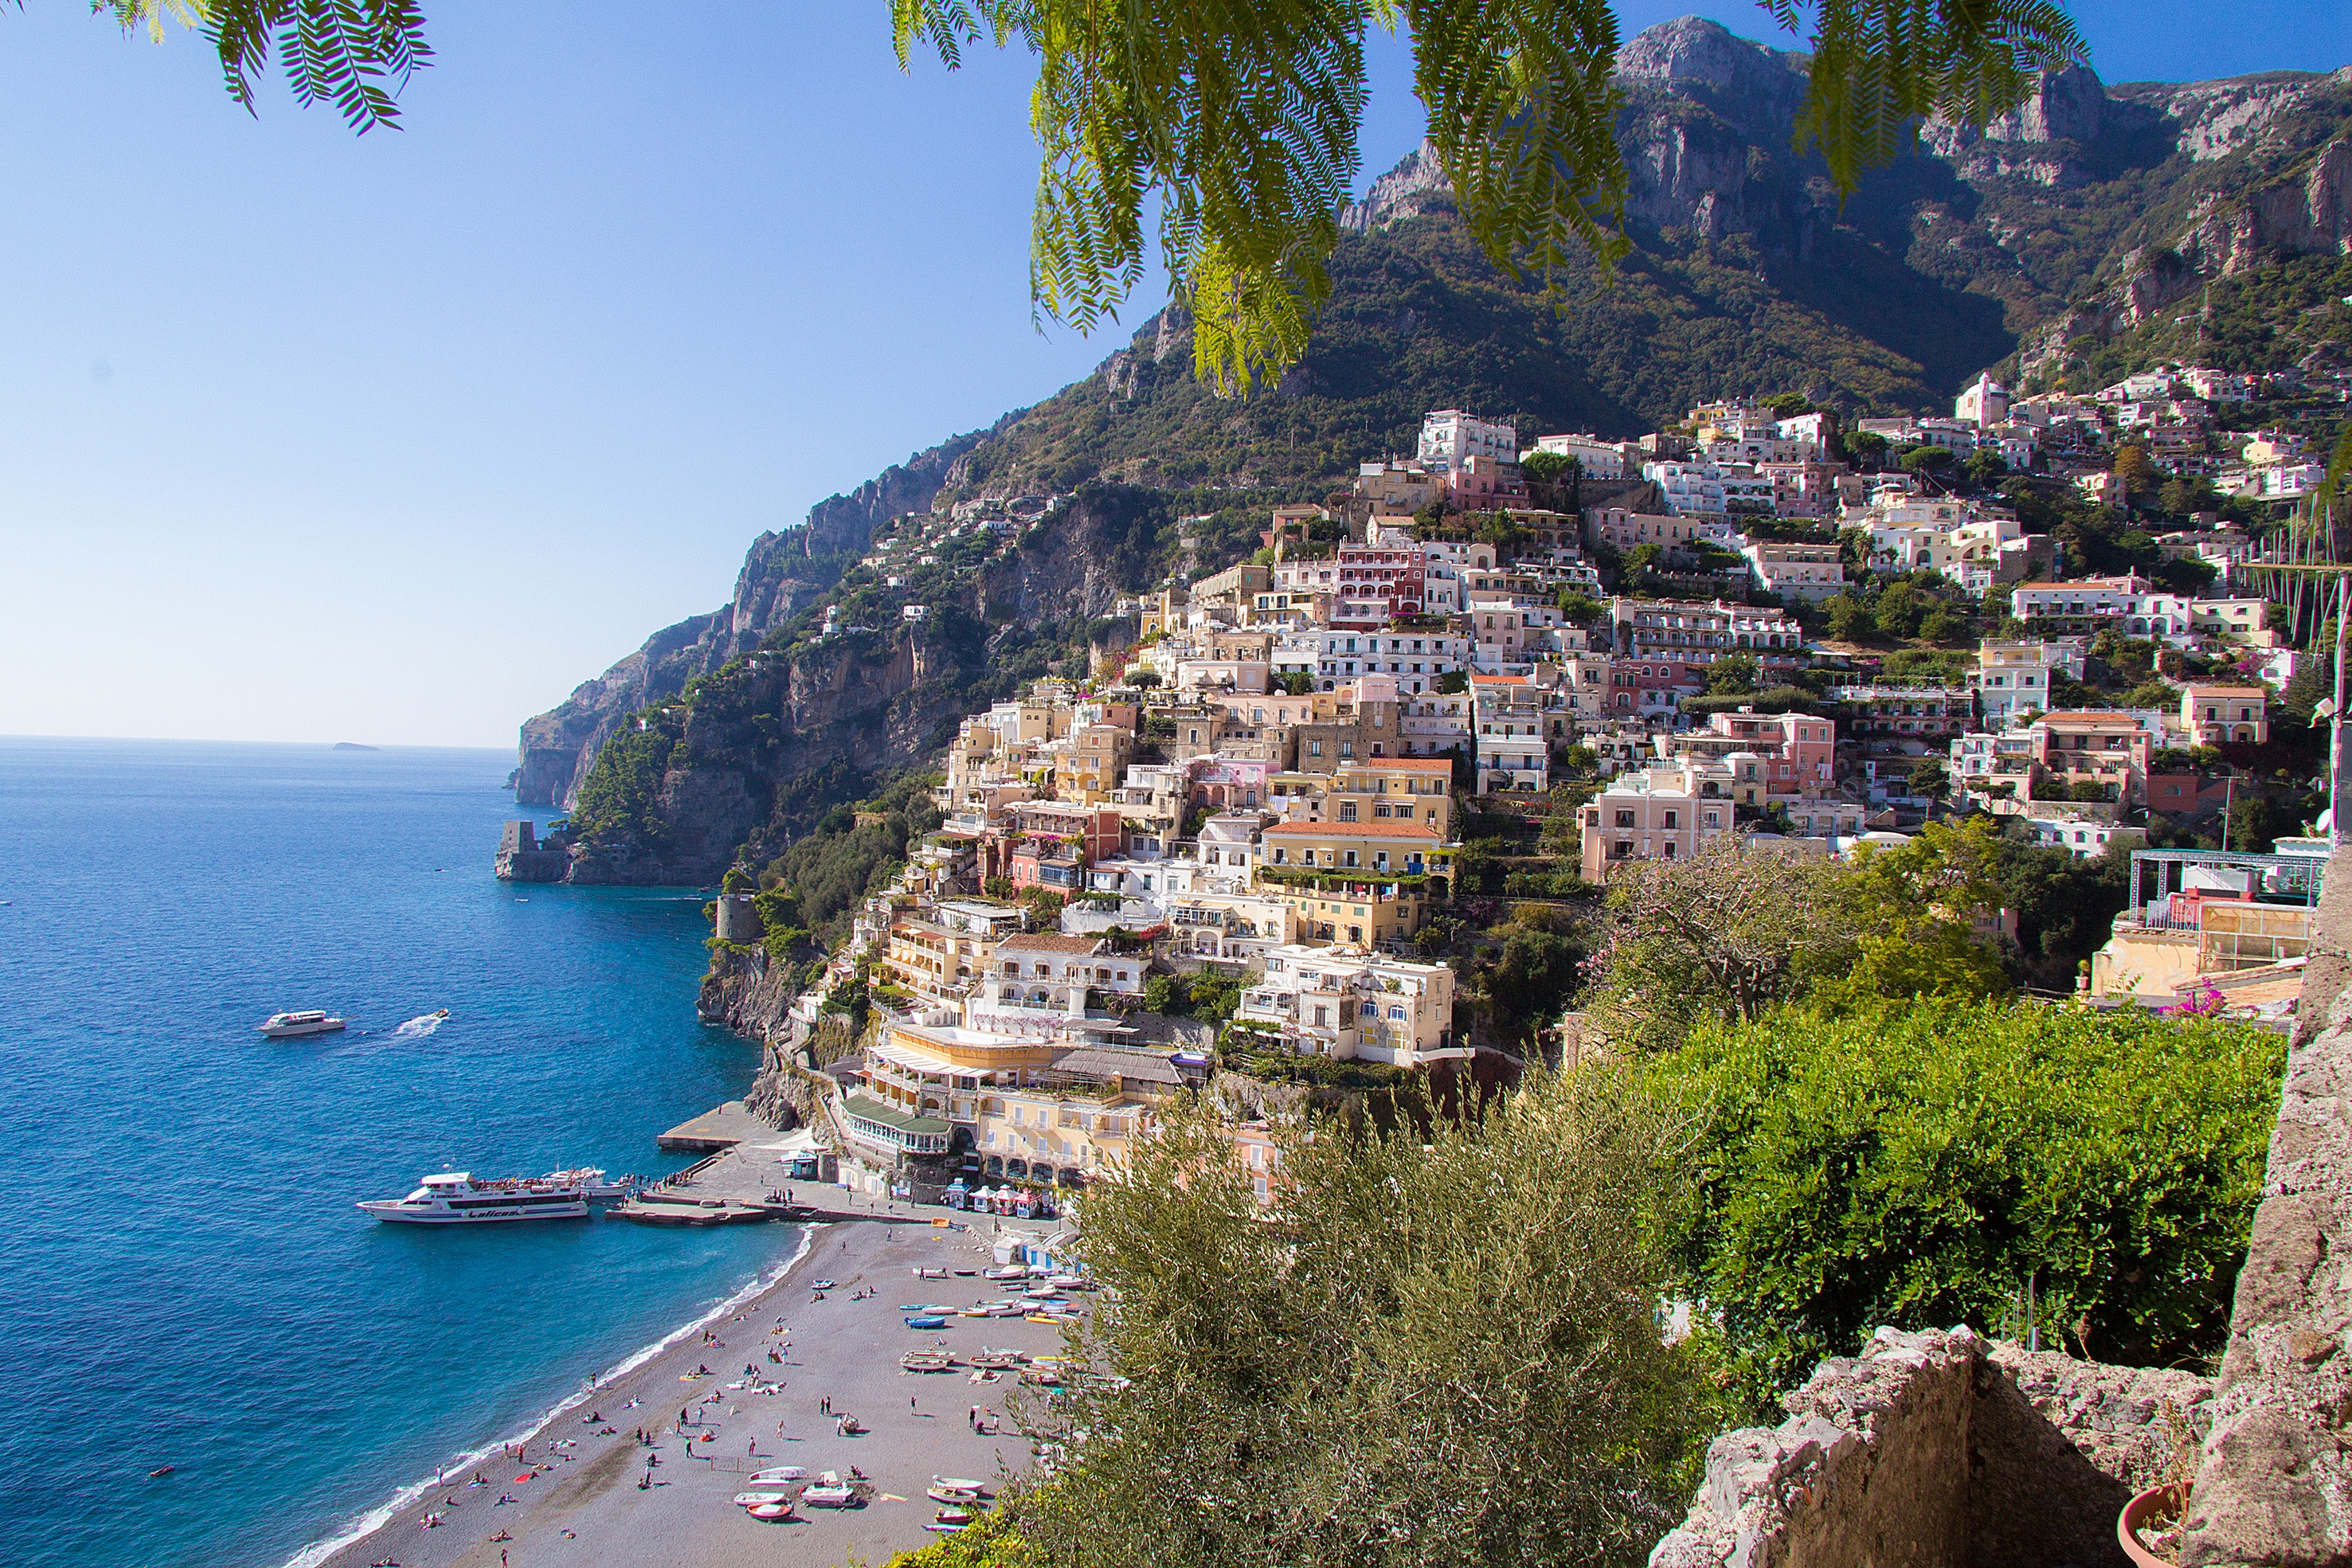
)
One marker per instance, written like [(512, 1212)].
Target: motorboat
[(828, 1491), (928, 1360), (290, 1026), (595, 1187), (455, 1198)]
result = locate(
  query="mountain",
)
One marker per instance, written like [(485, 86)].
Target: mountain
[(2055, 246)]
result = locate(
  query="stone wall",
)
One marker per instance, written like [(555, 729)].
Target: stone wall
[(1940, 1450), (2275, 1485)]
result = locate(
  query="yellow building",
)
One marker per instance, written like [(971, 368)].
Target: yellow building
[(1363, 883)]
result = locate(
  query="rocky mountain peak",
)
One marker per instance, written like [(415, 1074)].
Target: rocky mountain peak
[(1691, 50)]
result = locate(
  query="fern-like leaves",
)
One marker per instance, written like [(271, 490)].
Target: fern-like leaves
[(354, 54), (1881, 66), (1231, 123), (1523, 111)]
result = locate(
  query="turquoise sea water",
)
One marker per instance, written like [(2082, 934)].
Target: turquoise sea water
[(183, 1277)]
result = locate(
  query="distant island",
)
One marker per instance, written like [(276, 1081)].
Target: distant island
[(354, 746)]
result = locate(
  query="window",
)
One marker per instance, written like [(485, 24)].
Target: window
[(1348, 811), (1672, 820), (1624, 818), (1351, 857)]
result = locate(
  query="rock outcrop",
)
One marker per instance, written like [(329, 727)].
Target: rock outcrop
[(1942, 1449)]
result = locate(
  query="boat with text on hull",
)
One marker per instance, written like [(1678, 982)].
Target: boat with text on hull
[(293, 1025), (455, 1198)]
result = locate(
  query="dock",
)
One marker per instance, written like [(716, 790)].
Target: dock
[(721, 1127)]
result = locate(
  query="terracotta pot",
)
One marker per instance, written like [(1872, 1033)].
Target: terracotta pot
[(2171, 1498)]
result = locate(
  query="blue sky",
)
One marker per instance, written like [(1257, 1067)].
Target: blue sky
[(396, 439)]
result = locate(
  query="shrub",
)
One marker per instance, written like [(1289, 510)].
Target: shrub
[(1919, 1163)]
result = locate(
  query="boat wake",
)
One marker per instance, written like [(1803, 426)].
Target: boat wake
[(383, 1513), (419, 1027)]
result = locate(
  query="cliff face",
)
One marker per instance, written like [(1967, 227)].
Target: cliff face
[(783, 573)]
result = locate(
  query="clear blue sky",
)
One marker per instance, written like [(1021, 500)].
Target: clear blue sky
[(397, 439)]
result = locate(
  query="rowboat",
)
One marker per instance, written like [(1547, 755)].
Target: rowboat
[(780, 1474), (752, 1499), (953, 1517), (829, 1493), (999, 1359), (927, 1321), (948, 1490), (928, 1360), (773, 1513)]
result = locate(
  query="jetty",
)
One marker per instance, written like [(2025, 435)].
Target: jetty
[(721, 1127)]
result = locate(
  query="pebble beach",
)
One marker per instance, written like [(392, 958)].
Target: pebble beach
[(575, 1488)]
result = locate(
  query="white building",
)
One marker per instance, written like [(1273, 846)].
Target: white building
[(1983, 404), (1350, 1004), (1449, 437), (1808, 571), (1599, 459)]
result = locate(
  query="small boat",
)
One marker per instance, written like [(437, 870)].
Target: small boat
[(289, 1026), (923, 1307), (780, 1473), (820, 1284), (955, 1489), (953, 1517), (924, 1273), (773, 1513), (827, 1491), (999, 1360), (1060, 1318), (928, 1360), (165, 1470), (927, 1321), (747, 1498)]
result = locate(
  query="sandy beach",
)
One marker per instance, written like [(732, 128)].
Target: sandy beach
[(581, 1504)]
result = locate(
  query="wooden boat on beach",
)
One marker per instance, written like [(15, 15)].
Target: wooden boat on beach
[(928, 1360), (776, 1512), (828, 1491), (955, 1489)]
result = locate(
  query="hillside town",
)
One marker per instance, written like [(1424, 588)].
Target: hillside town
[(1696, 638)]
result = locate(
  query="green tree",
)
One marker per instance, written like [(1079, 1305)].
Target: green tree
[(1930, 776), (1866, 448), (1733, 676), (2134, 467), (1918, 1165), (1430, 1346), (1849, 619), (1985, 469), (1928, 460), (1549, 467), (1144, 678)]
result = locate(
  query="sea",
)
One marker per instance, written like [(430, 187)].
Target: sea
[(183, 1279)]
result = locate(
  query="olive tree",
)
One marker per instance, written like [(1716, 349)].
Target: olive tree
[(1427, 1346)]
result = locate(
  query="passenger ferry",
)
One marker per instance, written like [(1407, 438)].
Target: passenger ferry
[(455, 1198)]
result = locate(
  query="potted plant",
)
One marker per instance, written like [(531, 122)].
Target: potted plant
[(2149, 1527)]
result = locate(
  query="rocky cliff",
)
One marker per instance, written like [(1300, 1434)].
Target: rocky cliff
[(735, 761), (782, 574)]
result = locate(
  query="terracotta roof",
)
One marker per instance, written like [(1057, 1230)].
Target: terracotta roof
[(1049, 942), (1374, 830)]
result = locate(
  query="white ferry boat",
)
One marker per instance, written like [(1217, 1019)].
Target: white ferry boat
[(285, 1026), (455, 1198)]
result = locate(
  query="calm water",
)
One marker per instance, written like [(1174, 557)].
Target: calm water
[(183, 1278)]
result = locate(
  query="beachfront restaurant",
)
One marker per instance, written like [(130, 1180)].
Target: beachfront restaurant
[(887, 1128)]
